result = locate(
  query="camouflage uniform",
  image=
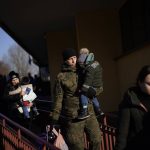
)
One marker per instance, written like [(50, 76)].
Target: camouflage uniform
[(66, 110), (93, 77)]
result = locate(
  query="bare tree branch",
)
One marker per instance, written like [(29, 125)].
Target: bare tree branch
[(18, 59), (4, 68)]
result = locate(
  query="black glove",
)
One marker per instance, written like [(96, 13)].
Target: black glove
[(91, 93)]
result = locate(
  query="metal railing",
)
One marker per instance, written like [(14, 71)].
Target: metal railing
[(108, 135), (15, 137)]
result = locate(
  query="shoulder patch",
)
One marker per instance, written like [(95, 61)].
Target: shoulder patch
[(95, 64)]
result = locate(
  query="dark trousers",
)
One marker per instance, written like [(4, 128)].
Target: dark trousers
[(84, 102)]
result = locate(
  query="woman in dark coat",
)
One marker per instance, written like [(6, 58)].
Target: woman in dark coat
[(133, 111), (13, 100)]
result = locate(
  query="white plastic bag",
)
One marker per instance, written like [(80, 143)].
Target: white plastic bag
[(30, 97)]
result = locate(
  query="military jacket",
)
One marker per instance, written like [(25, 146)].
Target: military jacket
[(66, 103), (93, 77)]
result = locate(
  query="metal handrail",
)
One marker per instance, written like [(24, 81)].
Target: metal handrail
[(9, 134), (17, 139), (108, 135)]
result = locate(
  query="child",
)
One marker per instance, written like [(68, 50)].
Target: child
[(92, 85), (28, 98)]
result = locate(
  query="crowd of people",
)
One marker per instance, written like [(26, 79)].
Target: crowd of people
[(77, 109), (18, 97)]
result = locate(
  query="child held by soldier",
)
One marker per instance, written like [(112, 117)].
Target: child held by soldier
[(90, 72)]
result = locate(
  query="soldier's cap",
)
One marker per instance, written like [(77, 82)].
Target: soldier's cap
[(67, 53)]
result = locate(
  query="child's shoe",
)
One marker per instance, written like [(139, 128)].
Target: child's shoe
[(99, 112), (100, 115), (36, 113), (83, 114)]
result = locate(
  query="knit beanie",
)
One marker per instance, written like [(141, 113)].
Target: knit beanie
[(13, 75), (67, 53)]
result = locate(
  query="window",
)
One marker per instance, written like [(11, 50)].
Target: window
[(135, 23)]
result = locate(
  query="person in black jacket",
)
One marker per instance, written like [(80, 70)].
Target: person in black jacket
[(13, 100), (133, 112)]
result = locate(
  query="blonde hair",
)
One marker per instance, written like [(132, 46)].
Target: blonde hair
[(84, 51)]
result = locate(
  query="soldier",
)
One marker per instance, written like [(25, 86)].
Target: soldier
[(66, 108)]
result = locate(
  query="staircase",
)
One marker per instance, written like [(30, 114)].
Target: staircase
[(15, 137)]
